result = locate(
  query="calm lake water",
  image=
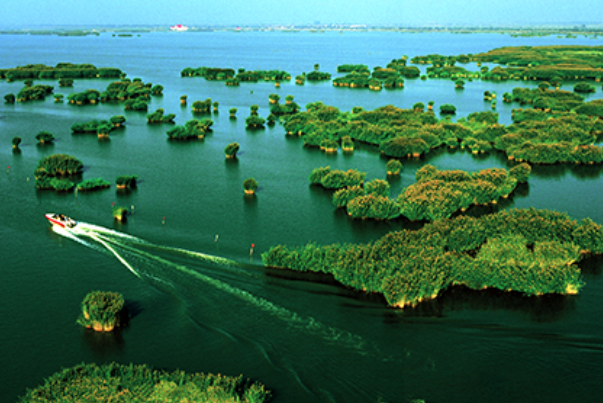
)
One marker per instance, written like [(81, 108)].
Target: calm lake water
[(200, 302)]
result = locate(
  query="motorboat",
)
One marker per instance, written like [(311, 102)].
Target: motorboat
[(60, 220)]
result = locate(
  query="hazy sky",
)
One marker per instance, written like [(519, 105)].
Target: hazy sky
[(26, 13)]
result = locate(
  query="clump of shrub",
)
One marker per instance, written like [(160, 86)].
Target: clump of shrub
[(336, 179), (93, 184), (126, 181), (102, 311), (141, 383), (250, 185), (231, 150)]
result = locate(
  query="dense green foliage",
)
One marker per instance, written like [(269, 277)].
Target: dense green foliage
[(336, 179), (536, 135), (543, 62), (439, 194), (254, 122), (119, 383), (120, 213), (228, 75), (318, 76), (231, 150), (250, 185), (16, 141), (93, 126), (126, 180), (117, 120), (61, 70), (34, 92), (202, 106), (194, 128), (102, 311), (45, 137), (530, 251), (550, 100), (52, 168), (93, 184), (393, 167), (159, 117)]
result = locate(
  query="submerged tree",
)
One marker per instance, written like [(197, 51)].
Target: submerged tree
[(250, 185), (231, 150)]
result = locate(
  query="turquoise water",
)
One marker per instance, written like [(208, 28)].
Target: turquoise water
[(202, 303)]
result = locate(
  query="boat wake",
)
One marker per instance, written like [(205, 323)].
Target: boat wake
[(142, 259)]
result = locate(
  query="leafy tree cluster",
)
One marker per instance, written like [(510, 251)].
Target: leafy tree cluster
[(53, 171), (255, 122), (544, 63), (451, 72), (318, 76), (98, 126), (439, 194), (549, 100), (266, 75), (530, 251), (139, 383), (336, 179), (90, 96), (93, 184), (374, 127), (159, 117), (194, 128), (34, 92), (61, 70), (209, 73), (564, 138), (288, 108), (349, 68), (127, 90), (228, 75), (202, 106), (371, 201), (388, 77), (126, 181), (102, 311), (45, 137)]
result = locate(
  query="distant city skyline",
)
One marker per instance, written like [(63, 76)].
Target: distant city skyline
[(30, 13)]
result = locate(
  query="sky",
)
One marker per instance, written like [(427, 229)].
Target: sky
[(29, 13)]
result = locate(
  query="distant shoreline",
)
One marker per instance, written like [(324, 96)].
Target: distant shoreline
[(562, 30)]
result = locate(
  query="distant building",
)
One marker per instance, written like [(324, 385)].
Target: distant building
[(179, 27)]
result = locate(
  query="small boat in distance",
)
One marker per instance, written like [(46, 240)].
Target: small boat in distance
[(60, 220)]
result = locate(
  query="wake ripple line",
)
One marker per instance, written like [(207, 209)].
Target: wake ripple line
[(292, 318)]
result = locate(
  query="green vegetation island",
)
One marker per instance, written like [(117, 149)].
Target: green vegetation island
[(528, 251), (102, 311), (525, 250), (140, 383)]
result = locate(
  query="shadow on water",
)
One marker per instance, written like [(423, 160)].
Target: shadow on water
[(541, 309), (591, 267), (580, 171), (104, 345)]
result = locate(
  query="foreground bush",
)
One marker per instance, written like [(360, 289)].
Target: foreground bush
[(139, 383)]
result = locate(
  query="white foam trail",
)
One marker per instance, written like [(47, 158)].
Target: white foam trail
[(291, 318), (117, 255), (67, 233), (104, 236)]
